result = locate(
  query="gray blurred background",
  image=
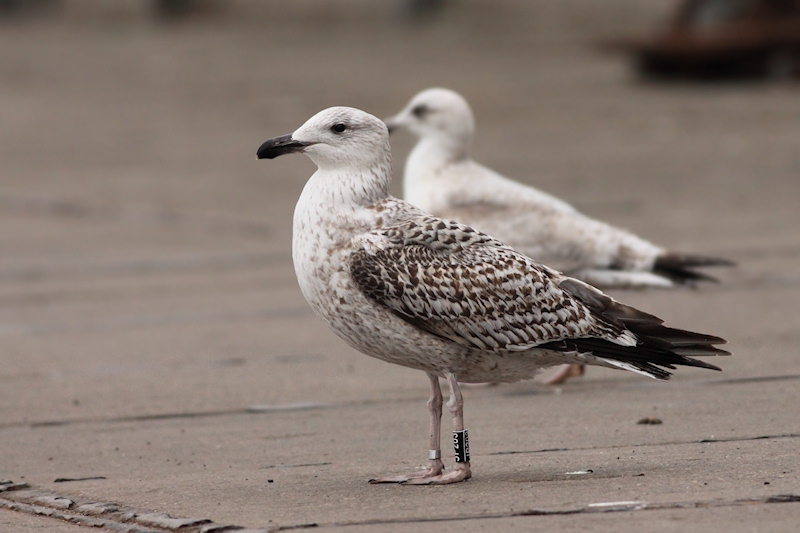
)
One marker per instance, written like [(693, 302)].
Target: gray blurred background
[(132, 202), (131, 199)]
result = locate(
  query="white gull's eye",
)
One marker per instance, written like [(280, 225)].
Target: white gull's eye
[(338, 128)]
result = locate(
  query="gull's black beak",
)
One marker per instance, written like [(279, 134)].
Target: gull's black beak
[(279, 146)]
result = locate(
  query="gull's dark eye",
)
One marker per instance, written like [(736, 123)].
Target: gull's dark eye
[(420, 110), (338, 128)]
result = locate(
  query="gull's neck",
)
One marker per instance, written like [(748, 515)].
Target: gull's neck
[(441, 149), (426, 164), (335, 203), (344, 188)]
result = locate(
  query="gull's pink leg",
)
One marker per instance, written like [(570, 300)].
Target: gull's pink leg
[(462, 471), (564, 373), (435, 454)]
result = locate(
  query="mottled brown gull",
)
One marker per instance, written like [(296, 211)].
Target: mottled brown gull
[(408, 288)]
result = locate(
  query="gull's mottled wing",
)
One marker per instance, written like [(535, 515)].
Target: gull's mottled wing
[(462, 285)]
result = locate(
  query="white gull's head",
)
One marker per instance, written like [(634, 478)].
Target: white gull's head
[(337, 137), (437, 114)]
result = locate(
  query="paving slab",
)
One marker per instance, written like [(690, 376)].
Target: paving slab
[(157, 357)]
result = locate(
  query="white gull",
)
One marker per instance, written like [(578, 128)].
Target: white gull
[(435, 295), (440, 178)]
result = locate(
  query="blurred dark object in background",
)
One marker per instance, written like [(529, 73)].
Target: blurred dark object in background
[(12, 8), (179, 10), (172, 9), (423, 9), (722, 39)]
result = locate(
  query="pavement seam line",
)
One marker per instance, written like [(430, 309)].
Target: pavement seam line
[(710, 440), (271, 409)]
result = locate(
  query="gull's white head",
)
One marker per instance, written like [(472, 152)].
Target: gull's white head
[(336, 137), (439, 114)]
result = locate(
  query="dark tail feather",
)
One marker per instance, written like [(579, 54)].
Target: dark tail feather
[(675, 337), (658, 346), (679, 268)]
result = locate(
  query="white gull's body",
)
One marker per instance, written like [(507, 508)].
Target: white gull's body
[(441, 178), (411, 289)]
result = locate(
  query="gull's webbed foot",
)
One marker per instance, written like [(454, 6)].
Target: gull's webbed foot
[(434, 475), (434, 470), (461, 472)]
